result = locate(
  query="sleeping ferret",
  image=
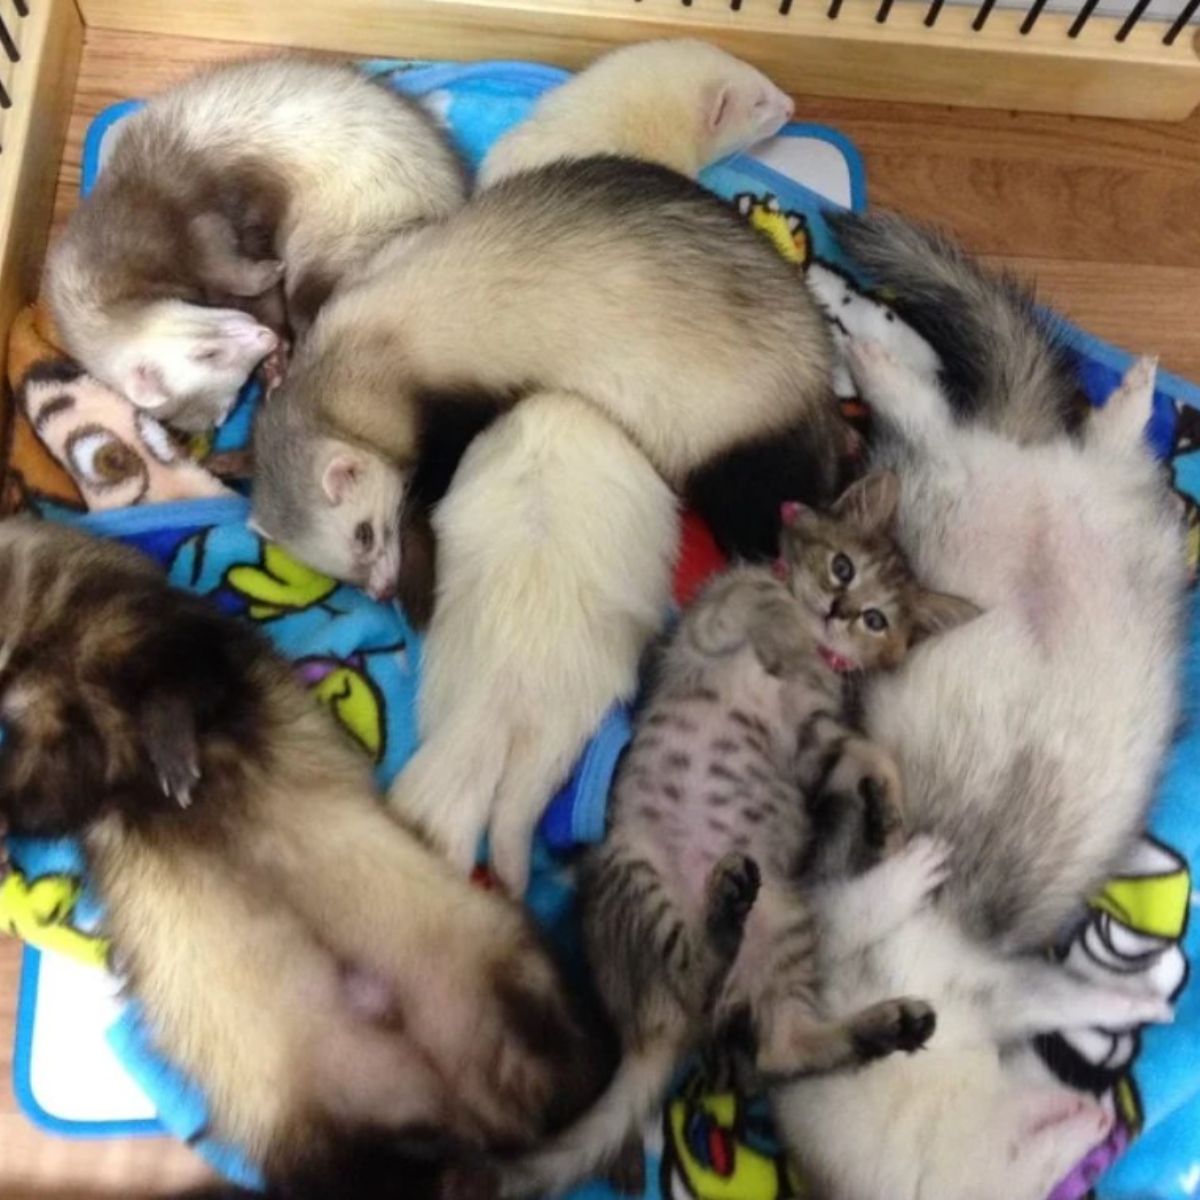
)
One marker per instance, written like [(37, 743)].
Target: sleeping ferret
[(250, 186), (618, 280), (682, 103), (354, 1012)]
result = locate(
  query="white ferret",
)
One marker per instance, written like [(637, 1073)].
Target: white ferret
[(1029, 741), (349, 1006), (681, 102), (246, 188), (556, 546)]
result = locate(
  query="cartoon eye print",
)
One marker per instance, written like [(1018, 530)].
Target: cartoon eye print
[(103, 462)]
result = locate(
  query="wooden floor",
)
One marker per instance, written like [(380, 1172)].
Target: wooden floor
[(1104, 215)]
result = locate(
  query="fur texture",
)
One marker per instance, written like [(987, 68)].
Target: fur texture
[(682, 103), (1029, 741), (253, 186), (616, 279), (256, 890), (555, 549)]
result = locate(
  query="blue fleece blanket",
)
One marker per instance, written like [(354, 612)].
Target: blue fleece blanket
[(363, 660)]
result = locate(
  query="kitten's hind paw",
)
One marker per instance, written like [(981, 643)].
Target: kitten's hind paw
[(892, 1026), (732, 890)]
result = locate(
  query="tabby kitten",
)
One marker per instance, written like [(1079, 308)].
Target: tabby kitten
[(734, 796)]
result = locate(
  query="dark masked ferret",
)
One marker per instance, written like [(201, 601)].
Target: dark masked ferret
[(244, 175), (619, 280), (682, 103), (349, 1006)]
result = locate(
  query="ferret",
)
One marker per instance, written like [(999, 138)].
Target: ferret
[(616, 279), (556, 545), (1030, 741), (351, 1008), (229, 209), (682, 103)]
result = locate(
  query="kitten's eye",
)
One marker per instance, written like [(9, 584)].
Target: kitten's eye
[(364, 535), (841, 568), (874, 620)]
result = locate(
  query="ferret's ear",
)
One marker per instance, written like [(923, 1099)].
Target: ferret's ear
[(718, 107), (146, 387), (870, 502), (937, 612), (342, 474), (222, 264)]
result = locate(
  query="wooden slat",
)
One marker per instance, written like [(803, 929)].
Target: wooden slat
[(42, 85), (854, 56)]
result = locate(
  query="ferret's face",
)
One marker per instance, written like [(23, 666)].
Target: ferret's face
[(354, 531), (187, 364), (746, 112)]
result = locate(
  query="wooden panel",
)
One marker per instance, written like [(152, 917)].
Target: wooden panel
[(804, 51), (42, 86)]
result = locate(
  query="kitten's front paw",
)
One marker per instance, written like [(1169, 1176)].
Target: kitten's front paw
[(870, 773), (894, 1025)]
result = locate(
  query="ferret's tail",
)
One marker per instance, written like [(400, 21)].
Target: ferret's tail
[(1001, 359), (599, 1135)]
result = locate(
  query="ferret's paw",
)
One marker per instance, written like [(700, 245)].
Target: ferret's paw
[(894, 1025), (510, 846), (169, 736), (918, 869), (274, 367)]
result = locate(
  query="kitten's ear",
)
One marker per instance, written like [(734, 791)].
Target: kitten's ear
[(870, 502), (792, 512), (937, 612), (343, 473)]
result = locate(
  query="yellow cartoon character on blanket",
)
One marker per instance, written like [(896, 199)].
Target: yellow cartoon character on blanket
[(1133, 933), (40, 911), (720, 1146)]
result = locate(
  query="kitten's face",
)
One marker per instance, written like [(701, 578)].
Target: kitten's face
[(846, 570)]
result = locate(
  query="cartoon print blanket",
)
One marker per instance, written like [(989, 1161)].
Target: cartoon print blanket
[(363, 660)]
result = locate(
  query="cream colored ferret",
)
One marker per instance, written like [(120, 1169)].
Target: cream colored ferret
[(681, 103)]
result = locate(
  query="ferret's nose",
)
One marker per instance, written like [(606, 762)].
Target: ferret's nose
[(382, 594), (266, 338)]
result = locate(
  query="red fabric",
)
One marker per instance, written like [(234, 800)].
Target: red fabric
[(699, 559)]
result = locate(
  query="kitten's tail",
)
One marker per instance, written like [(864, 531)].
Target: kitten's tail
[(599, 1135), (1002, 360)]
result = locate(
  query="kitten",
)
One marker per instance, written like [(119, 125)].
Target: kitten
[(695, 913), (1029, 742)]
